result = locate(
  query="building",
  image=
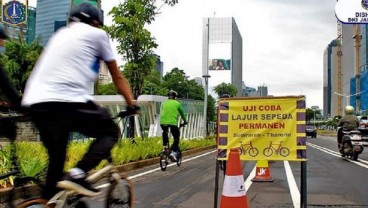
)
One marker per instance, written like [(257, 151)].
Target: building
[(354, 65), (159, 65), (31, 25), (330, 80), (53, 14), (222, 52)]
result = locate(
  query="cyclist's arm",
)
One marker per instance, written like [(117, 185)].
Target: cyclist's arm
[(121, 83), (182, 114)]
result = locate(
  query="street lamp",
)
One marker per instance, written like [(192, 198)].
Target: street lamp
[(347, 96), (206, 77)]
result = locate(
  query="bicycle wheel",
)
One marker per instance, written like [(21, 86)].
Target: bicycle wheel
[(178, 158), (163, 161), (120, 194), (33, 203), (267, 152)]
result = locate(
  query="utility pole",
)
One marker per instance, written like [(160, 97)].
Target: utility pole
[(357, 37), (339, 61)]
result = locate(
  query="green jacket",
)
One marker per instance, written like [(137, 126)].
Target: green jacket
[(171, 109), (349, 122)]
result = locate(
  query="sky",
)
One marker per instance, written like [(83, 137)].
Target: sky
[(283, 40)]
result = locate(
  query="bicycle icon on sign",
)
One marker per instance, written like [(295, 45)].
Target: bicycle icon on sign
[(252, 151), (283, 151)]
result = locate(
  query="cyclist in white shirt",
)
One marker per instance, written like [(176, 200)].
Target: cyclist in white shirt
[(59, 99)]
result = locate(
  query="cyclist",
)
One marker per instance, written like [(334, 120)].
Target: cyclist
[(57, 95), (171, 109)]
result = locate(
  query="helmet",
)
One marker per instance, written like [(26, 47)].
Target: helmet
[(349, 109), (86, 12), (172, 94)]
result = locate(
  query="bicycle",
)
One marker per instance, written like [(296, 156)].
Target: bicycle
[(283, 151), (252, 151), (119, 192), (8, 129), (165, 158)]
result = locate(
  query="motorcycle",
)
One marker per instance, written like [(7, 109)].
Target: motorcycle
[(351, 144)]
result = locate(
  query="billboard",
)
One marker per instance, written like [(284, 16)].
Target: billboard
[(266, 128), (14, 11), (219, 55), (219, 64)]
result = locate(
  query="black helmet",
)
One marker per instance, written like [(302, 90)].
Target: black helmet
[(86, 12), (172, 94)]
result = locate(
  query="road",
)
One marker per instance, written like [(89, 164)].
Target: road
[(332, 181)]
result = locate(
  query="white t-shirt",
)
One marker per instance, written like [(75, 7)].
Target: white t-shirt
[(68, 65)]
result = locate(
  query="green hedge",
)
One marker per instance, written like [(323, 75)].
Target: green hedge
[(33, 158)]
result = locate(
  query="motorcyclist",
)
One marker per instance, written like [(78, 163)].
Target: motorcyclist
[(348, 122)]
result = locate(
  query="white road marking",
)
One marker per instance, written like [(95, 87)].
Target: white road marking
[(360, 162), (294, 191)]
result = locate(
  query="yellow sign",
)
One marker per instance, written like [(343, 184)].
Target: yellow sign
[(269, 128)]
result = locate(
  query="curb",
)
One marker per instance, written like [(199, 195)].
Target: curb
[(156, 160)]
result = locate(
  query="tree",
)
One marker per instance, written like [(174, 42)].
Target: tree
[(135, 42), (310, 114), (107, 89), (225, 88), (177, 80), (18, 60)]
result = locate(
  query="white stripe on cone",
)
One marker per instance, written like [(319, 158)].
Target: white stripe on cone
[(233, 186)]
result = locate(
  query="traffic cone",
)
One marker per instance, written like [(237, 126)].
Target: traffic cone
[(262, 172), (233, 193)]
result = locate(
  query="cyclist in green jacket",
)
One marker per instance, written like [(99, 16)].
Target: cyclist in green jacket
[(171, 109)]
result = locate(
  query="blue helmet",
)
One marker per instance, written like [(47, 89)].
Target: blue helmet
[(86, 13)]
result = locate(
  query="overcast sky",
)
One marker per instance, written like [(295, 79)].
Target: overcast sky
[(283, 40)]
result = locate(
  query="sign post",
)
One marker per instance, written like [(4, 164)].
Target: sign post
[(266, 128)]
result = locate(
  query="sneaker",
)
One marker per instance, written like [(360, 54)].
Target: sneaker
[(80, 185), (173, 156)]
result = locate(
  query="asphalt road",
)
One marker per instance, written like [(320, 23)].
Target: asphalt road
[(331, 181)]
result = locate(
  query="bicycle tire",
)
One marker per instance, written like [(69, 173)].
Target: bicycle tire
[(120, 194), (163, 161), (178, 158), (33, 203), (267, 152)]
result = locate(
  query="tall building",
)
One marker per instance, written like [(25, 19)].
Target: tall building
[(31, 25), (53, 14), (159, 65), (330, 80), (222, 52)]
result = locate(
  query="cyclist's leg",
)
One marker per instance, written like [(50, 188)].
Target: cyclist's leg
[(176, 135), (165, 135), (94, 121), (55, 140)]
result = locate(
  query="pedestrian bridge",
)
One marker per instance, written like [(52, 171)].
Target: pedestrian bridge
[(148, 121)]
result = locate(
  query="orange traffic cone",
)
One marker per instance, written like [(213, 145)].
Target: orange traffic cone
[(233, 193), (262, 172)]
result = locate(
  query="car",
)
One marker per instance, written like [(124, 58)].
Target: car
[(311, 130), (363, 128)]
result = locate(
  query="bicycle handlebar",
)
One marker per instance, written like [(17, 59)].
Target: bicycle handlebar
[(129, 111)]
